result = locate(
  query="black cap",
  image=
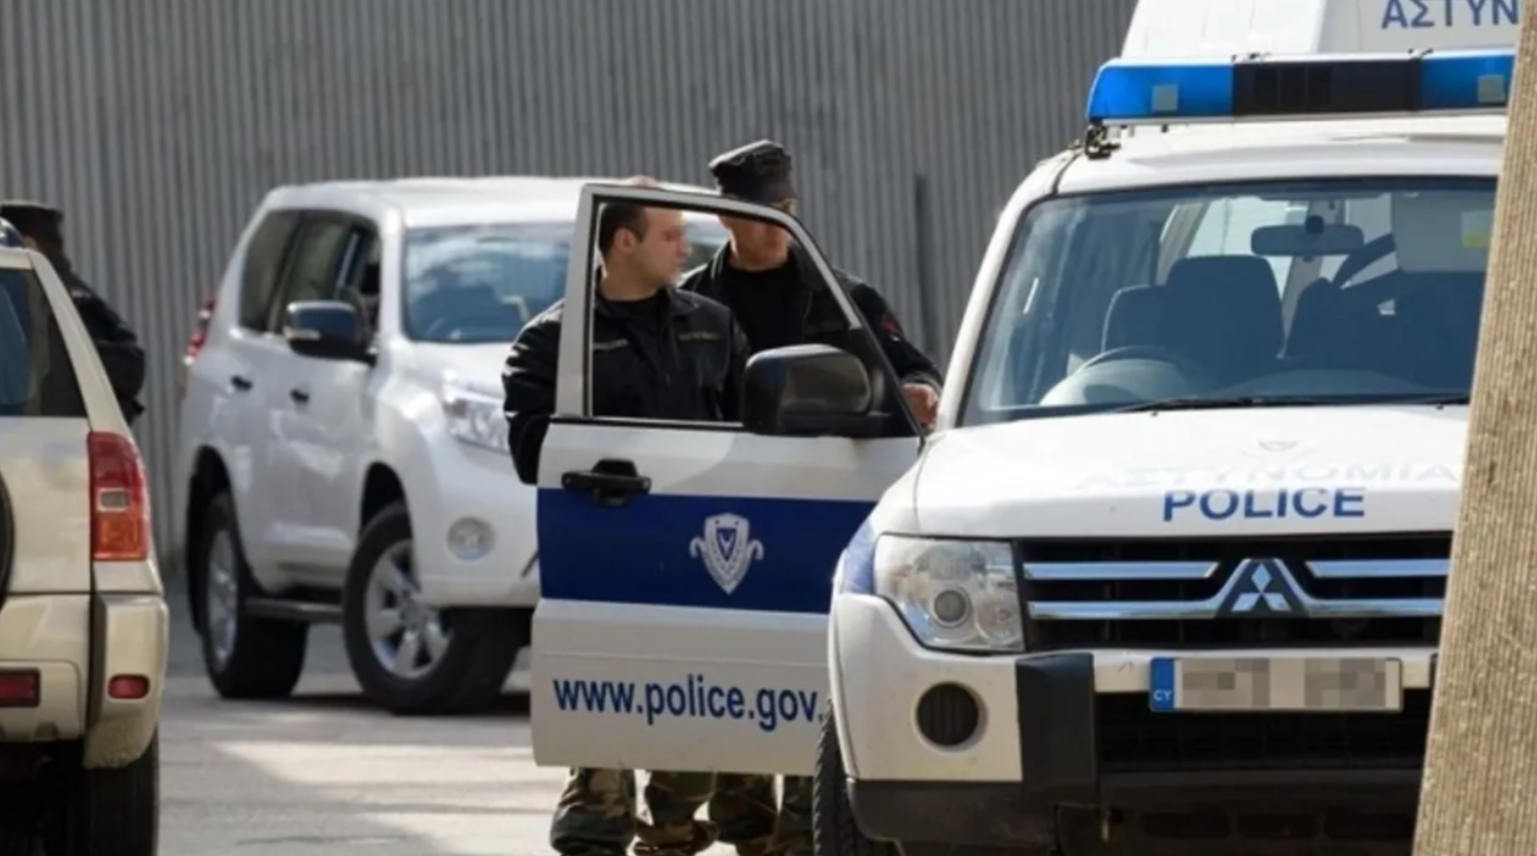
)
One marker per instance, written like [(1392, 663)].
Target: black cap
[(756, 172), (33, 219)]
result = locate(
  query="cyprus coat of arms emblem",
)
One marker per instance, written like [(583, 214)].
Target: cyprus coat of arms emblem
[(727, 549)]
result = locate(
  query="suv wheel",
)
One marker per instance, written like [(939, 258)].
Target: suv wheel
[(411, 658), (106, 812), (833, 830), (247, 657)]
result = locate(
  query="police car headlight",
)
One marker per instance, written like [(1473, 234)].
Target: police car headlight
[(475, 418), (954, 595)]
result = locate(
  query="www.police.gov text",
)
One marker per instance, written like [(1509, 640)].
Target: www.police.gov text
[(693, 698)]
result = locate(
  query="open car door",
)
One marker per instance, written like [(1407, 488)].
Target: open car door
[(686, 567)]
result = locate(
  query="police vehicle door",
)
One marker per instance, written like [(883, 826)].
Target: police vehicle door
[(682, 621)]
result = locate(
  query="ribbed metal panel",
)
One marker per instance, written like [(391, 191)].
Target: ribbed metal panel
[(158, 124)]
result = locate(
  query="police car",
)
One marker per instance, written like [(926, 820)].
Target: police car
[(1170, 571)]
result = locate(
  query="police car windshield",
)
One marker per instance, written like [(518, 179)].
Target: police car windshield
[(1342, 290), (481, 283)]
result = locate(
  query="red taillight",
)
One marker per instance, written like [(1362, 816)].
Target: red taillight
[(119, 500), (127, 687), (195, 343)]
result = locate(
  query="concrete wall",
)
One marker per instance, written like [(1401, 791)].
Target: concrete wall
[(158, 124)]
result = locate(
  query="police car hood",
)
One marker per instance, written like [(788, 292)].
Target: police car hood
[(1210, 472)]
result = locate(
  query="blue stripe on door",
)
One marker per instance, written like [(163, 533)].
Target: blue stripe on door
[(658, 550)]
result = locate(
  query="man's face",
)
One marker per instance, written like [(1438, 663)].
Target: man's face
[(660, 255), (758, 242)]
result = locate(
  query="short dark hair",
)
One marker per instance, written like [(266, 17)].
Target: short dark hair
[(628, 216)]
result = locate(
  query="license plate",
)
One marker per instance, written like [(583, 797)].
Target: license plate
[(1237, 684)]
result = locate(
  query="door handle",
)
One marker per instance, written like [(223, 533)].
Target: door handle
[(609, 483), (240, 382), (299, 396)]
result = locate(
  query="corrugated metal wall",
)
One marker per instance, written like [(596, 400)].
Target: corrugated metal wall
[(158, 124)]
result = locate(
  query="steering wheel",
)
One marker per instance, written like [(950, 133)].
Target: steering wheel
[(1146, 352)]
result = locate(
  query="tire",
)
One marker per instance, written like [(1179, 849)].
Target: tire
[(833, 829), (107, 812), (476, 648), (265, 657)]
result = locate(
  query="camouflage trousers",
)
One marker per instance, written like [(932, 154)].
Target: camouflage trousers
[(597, 814)]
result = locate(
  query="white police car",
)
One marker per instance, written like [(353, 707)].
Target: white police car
[(1169, 573)]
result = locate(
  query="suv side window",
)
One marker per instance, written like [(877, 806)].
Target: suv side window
[(310, 272), (263, 259)]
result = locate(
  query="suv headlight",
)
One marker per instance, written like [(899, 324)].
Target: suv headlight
[(955, 595), (475, 418)]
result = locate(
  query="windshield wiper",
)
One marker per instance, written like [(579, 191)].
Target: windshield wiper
[(1239, 402), (1226, 402)]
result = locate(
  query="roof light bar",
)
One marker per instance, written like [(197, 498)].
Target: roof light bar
[(1133, 92)]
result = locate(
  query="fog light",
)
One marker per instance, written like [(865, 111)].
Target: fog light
[(949, 716), (470, 539)]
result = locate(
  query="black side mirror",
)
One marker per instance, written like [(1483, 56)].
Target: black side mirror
[(327, 329), (809, 391)]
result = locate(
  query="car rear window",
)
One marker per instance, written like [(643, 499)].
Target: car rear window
[(36, 377)]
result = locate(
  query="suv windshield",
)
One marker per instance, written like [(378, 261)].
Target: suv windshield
[(36, 376), (482, 283), (1260, 293)]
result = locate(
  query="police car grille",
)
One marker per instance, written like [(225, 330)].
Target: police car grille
[(1131, 738), (1145, 582)]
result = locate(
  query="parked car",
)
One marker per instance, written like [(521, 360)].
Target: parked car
[(83, 621), (343, 451)]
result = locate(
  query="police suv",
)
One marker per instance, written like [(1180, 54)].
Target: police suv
[(1169, 573)]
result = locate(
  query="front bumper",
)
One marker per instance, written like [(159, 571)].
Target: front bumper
[(1068, 738), (476, 487)]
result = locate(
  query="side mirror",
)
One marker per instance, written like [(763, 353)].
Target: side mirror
[(809, 391), (327, 329)]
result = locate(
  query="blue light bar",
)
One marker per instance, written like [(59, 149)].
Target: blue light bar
[(1130, 92)]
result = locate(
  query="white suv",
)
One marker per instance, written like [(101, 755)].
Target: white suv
[(343, 451), (83, 619)]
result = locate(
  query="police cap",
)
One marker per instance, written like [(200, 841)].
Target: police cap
[(34, 219), (757, 172)]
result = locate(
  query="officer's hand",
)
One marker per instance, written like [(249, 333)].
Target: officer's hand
[(924, 400)]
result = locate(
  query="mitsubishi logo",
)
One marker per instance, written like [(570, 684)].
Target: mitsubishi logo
[(1262, 587)]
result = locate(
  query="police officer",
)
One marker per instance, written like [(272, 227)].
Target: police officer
[(646, 337), (776, 294), (42, 229), (774, 290)]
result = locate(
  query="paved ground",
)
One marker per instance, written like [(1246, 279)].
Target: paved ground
[(325, 775)]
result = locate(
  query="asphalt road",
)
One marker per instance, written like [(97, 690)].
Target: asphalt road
[(323, 774)]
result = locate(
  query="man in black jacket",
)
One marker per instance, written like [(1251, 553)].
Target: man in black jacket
[(773, 288), (42, 229), (776, 294), (656, 354)]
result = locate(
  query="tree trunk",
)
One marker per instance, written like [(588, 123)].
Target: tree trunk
[(1480, 791)]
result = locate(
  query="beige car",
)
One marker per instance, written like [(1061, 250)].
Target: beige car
[(83, 620)]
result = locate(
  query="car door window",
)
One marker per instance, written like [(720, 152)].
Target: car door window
[(608, 363), (264, 258), (311, 270)]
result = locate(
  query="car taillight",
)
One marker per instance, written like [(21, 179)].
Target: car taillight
[(195, 343), (119, 500)]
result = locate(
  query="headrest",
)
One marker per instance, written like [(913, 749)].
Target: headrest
[(1137, 315), (1234, 295)]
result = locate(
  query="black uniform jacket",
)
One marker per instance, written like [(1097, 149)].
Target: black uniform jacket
[(119, 349), (691, 371), (818, 319)]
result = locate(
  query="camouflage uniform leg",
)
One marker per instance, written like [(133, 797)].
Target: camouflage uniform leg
[(744, 809), (596, 814), (666, 825), (792, 834)]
